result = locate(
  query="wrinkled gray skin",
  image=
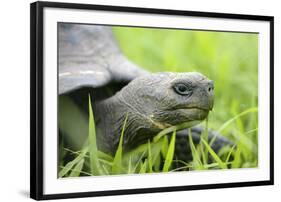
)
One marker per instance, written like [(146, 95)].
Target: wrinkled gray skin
[(90, 62)]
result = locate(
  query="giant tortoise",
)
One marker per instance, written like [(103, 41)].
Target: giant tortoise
[(90, 62)]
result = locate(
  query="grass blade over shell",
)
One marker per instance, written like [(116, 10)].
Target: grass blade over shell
[(117, 167), (93, 150)]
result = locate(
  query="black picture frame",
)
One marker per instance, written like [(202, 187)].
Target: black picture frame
[(37, 101)]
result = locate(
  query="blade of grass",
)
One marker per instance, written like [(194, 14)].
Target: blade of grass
[(143, 166), (245, 142), (165, 146), (170, 153), (77, 169), (155, 149), (227, 123), (105, 170), (205, 135), (117, 161), (251, 131), (93, 151), (82, 172), (72, 163), (101, 154), (181, 168), (203, 152), (174, 128), (214, 165), (229, 153), (139, 162), (157, 163), (194, 152), (214, 155), (130, 165), (234, 109), (237, 159), (149, 157), (104, 156), (109, 163)]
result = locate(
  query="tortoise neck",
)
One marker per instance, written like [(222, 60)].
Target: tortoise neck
[(111, 114)]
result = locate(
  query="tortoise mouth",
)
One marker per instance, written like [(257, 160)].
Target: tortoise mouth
[(195, 113), (197, 108), (201, 111), (194, 108)]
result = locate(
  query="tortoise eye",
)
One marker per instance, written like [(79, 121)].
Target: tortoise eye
[(182, 89)]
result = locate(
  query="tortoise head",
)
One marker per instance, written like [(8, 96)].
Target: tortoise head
[(168, 99)]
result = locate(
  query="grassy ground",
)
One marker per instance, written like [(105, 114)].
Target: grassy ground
[(230, 59)]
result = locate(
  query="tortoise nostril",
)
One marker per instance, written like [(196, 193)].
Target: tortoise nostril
[(210, 86)]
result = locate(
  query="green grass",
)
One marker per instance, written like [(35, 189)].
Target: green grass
[(155, 156), (230, 59)]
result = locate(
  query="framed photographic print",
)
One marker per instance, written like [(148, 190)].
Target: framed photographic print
[(134, 100)]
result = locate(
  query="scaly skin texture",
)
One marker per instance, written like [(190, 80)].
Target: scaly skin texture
[(152, 103)]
